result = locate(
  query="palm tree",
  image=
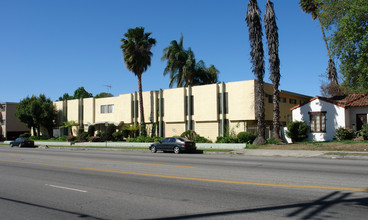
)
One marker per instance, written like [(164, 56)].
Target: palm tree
[(255, 37), (183, 68), (176, 57), (136, 48), (312, 7), (274, 61)]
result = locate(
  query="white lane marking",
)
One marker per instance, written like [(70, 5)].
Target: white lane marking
[(62, 187)]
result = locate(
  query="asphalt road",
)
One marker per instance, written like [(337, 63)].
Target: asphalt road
[(97, 184)]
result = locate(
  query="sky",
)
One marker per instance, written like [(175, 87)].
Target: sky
[(53, 47)]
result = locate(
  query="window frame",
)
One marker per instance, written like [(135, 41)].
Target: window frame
[(317, 121)]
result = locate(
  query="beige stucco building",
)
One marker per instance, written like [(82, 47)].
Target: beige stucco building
[(10, 126), (207, 109)]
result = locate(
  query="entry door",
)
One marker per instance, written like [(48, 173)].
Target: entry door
[(361, 119)]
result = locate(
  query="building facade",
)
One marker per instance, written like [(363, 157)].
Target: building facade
[(10, 126), (325, 115), (210, 110)]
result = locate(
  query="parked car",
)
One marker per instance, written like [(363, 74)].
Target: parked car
[(22, 142), (175, 144)]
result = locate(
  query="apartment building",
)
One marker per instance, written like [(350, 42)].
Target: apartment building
[(10, 126), (210, 110)]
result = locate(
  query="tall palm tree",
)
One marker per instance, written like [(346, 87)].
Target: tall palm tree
[(136, 47), (312, 7), (274, 61), (255, 37)]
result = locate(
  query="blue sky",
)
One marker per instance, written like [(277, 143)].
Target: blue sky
[(55, 46)]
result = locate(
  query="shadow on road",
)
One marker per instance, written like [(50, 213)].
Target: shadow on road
[(303, 210)]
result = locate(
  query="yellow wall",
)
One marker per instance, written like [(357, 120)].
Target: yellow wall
[(241, 100), (174, 129), (205, 103), (174, 105), (89, 111), (72, 110), (208, 130)]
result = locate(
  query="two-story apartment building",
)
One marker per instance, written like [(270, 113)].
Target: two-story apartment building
[(209, 110), (10, 126)]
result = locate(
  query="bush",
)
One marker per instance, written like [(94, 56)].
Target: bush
[(364, 131), (2, 138), (83, 136), (246, 137), (201, 139), (27, 135), (111, 128), (118, 136), (91, 131), (191, 135), (71, 138), (297, 131), (227, 139), (101, 135), (273, 141), (344, 133)]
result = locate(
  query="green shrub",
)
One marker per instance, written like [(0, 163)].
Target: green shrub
[(201, 139), (27, 135), (118, 136), (246, 137), (227, 139), (190, 134), (344, 133), (111, 128), (297, 131), (91, 131), (130, 130), (273, 141), (101, 135), (364, 131), (83, 136), (80, 131)]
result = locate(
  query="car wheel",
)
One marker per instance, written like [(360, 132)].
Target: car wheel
[(176, 150), (20, 145), (153, 149)]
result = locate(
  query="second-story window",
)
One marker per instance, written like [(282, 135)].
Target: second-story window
[(107, 109)]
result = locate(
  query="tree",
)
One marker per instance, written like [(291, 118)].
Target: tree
[(274, 61), (183, 68), (136, 48), (104, 95), (347, 25), (70, 125), (312, 7), (37, 112), (255, 37), (65, 97), (81, 93)]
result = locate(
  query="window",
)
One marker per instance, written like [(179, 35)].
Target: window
[(317, 121), (282, 99), (107, 109), (292, 101), (270, 98)]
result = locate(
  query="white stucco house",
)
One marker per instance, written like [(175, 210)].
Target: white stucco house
[(325, 115)]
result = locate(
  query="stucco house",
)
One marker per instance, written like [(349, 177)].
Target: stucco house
[(325, 115)]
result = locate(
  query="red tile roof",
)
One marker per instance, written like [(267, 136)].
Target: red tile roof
[(352, 100)]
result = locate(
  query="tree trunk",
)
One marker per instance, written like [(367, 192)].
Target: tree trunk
[(142, 126), (276, 113), (260, 111)]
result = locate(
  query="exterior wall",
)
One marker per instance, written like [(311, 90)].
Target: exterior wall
[(174, 129), (353, 111), (208, 130), (335, 117), (73, 110), (205, 103), (89, 110), (207, 120), (174, 105), (241, 100), (10, 126)]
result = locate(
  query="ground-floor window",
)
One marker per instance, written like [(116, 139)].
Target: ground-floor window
[(317, 121)]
